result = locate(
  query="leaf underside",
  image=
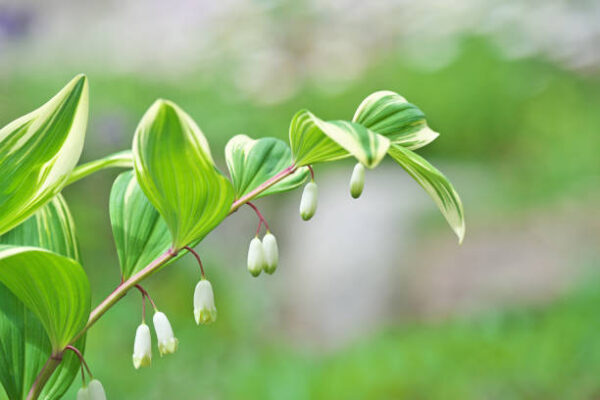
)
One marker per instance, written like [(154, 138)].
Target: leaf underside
[(313, 140), (390, 115)]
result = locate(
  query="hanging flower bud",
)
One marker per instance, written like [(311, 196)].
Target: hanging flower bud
[(142, 347), (357, 182), (167, 343), (93, 391), (256, 257), (271, 253), (83, 393), (308, 203), (205, 311), (96, 390)]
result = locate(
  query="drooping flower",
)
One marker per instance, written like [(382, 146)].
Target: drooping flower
[(308, 203), (256, 257), (142, 347), (205, 311), (167, 342), (93, 391), (357, 181), (271, 253)]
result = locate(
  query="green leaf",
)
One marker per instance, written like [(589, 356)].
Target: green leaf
[(390, 115), (51, 228), (122, 159), (176, 171), (24, 345), (313, 140), (54, 287), (140, 233), (39, 151), (435, 184), (252, 162)]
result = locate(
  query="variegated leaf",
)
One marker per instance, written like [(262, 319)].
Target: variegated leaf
[(390, 115), (54, 287), (176, 171), (122, 159), (314, 140), (51, 228), (435, 184), (140, 233), (24, 344), (253, 162), (38, 152)]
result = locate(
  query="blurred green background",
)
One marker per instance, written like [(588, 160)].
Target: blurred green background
[(373, 299)]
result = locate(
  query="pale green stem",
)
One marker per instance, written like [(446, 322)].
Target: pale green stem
[(45, 374), (122, 159)]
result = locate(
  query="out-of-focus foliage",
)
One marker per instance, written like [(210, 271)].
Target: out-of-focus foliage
[(532, 352), (531, 124), (512, 115)]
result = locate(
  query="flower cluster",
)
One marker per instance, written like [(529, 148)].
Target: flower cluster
[(263, 255), (142, 346)]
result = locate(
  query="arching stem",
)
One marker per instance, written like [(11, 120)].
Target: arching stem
[(261, 219), (188, 248), (81, 361), (312, 172)]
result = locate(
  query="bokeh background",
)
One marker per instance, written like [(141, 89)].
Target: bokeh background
[(374, 299)]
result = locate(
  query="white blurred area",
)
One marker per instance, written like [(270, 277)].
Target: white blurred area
[(270, 48)]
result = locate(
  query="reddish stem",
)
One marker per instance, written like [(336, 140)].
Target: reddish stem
[(312, 172), (188, 248), (147, 295), (260, 218), (262, 187), (81, 360)]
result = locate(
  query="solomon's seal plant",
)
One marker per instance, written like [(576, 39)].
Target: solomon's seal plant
[(170, 196)]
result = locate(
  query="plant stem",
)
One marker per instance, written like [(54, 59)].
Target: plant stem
[(261, 218), (81, 359), (122, 159), (124, 287), (188, 248), (45, 374), (262, 187)]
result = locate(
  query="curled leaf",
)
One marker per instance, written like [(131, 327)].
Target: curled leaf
[(435, 184), (390, 115), (314, 140), (39, 150)]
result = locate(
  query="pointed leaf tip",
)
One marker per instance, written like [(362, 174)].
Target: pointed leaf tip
[(39, 150), (435, 184), (175, 169)]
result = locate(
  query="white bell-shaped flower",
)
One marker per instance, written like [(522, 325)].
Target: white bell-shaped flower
[(93, 391), (83, 393), (271, 253), (96, 390), (167, 342), (142, 347), (308, 203), (256, 257), (205, 311), (357, 181)]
